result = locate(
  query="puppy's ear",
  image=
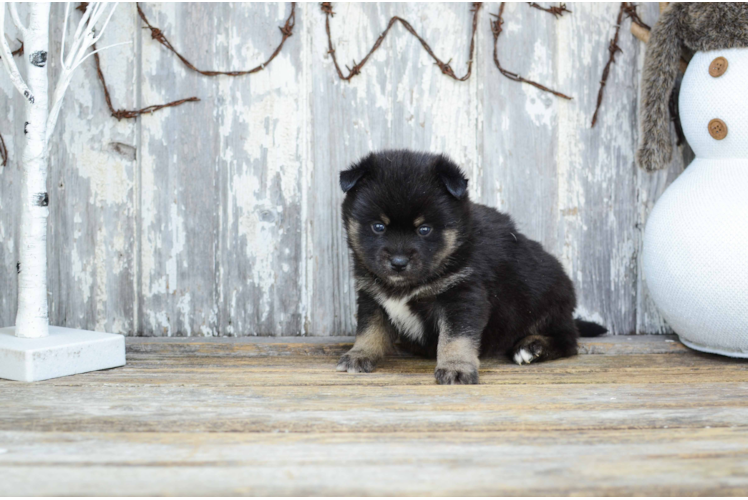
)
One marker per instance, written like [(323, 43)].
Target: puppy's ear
[(349, 178), (452, 177)]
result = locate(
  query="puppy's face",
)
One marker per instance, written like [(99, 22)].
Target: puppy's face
[(405, 214)]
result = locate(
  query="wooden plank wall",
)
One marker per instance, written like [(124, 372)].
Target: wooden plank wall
[(222, 217)]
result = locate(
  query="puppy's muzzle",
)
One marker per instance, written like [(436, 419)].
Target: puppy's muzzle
[(398, 263)]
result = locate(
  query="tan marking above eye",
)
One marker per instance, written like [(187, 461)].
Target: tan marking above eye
[(385, 219), (419, 220)]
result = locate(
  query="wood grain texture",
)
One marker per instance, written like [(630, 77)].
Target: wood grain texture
[(261, 417), (222, 218), (400, 100), (260, 265), (221, 228), (678, 462), (92, 170), (180, 175), (518, 123), (596, 167), (348, 119)]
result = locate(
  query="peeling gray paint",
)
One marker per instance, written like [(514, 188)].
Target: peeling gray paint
[(222, 217)]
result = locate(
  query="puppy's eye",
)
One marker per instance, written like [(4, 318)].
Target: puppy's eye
[(378, 227), (424, 230)]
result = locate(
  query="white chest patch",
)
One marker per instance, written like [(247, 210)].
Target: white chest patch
[(397, 309), (403, 318)]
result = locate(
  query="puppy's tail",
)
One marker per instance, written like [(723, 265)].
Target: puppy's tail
[(589, 329)]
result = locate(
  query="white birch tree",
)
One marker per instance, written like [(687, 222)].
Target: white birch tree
[(32, 319)]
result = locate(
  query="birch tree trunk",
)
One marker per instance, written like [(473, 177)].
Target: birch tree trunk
[(32, 319)]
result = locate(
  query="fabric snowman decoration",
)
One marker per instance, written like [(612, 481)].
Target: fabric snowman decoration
[(695, 256)]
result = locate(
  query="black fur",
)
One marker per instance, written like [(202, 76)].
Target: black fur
[(589, 329), (473, 278)]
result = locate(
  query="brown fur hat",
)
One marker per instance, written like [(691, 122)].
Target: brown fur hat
[(699, 27)]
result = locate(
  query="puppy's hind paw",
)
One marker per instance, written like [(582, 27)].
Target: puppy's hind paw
[(528, 350), (524, 356), (353, 362), (456, 375)]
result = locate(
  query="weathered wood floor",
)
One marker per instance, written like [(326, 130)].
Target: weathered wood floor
[(636, 415)]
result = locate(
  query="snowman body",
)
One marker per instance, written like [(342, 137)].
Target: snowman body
[(695, 256)]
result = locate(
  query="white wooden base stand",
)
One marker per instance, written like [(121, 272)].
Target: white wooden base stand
[(66, 351)]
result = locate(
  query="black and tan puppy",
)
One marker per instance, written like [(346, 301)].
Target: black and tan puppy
[(452, 278)]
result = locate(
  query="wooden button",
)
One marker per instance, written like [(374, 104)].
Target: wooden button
[(718, 67), (718, 129)]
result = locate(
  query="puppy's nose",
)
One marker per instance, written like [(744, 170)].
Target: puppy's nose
[(399, 262)]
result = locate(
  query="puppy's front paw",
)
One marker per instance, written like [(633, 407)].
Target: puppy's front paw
[(452, 374), (355, 362)]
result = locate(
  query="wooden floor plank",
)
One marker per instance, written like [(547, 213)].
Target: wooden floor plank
[(376, 408), (262, 417), (316, 370), (283, 346), (708, 461)]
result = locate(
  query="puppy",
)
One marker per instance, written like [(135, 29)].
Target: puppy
[(450, 278)]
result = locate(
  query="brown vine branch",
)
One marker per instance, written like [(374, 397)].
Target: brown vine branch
[(496, 30), (158, 35), (630, 11), (19, 50), (556, 11), (612, 49), (445, 67), (119, 114)]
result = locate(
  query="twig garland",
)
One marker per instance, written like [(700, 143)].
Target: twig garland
[(125, 113), (19, 50), (627, 8), (158, 35), (119, 114), (612, 49), (496, 30), (556, 11), (630, 10), (356, 68)]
